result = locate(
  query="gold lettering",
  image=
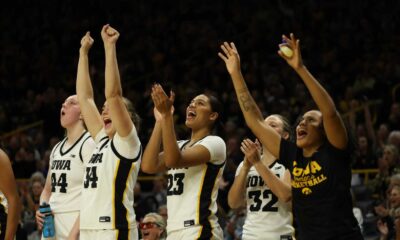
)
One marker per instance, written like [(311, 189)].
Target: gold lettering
[(307, 170), (308, 181), (297, 171), (315, 166), (316, 181)]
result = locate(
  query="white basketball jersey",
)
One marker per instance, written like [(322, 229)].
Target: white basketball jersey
[(192, 192), (110, 177), (267, 217), (66, 169), (3, 204)]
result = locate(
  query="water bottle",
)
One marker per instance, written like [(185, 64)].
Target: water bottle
[(48, 230)]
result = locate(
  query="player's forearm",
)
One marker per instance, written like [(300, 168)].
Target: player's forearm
[(14, 209), (150, 159), (318, 93), (236, 195), (84, 87), (113, 81), (45, 196), (172, 154), (250, 110), (281, 189)]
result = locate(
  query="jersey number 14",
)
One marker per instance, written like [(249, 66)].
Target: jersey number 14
[(91, 177)]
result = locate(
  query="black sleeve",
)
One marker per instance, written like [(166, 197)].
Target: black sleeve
[(287, 153)]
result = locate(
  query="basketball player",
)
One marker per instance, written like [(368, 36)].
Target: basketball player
[(263, 186), (107, 196), (194, 166), (66, 168), (319, 161), (10, 205)]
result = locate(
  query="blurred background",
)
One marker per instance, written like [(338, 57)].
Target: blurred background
[(350, 46)]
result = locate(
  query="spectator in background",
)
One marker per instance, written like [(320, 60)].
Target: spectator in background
[(394, 116), (144, 203), (379, 183), (388, 215), (394, 138), (382, 134), (234, 226), (26, 157), (31, 201), (153, 227), (391, 156), (365, 157), (163, 211), (159, 189)]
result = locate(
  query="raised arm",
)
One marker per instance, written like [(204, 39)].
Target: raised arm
[(333, 124), (8, 187), (118, 112), (84, 89), (152, 160), (281, 188), (252, 114)]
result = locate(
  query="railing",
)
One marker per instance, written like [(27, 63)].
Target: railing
[(368, 173), (21, 129)]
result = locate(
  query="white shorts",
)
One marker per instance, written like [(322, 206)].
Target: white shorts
[(194, 232), (109, 234), (63, 223)]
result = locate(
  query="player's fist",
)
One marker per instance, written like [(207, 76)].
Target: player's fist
[(109, 34)]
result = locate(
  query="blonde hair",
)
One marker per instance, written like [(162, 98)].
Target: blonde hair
[(159, 220), (132, 113)]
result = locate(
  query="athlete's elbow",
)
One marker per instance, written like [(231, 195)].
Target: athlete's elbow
[(147, 169), (173, 161), (254, 124), (113, 94), (233, 202), (171, 164)]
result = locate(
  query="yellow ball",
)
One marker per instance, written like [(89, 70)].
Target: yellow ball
[(286, 51)]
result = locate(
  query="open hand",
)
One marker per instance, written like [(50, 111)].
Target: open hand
[(231, 57), (251, 151), (162, 103)]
